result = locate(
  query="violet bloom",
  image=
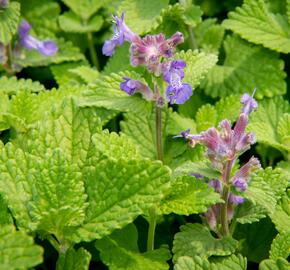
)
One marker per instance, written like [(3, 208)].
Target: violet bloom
[(121, 34), (133, 86), (47, 47), (173, 72), (249, 103), (235, 199), (149, 50), (4, 3)]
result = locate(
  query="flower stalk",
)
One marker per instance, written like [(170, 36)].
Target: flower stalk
[(93, 54)]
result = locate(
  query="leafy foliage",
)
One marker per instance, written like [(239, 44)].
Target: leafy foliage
[(280, 246), (254, 22)]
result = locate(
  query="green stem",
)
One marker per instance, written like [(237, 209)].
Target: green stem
[(158, 125), (192, 41), (151, 230), (93, 54), (225, 196)]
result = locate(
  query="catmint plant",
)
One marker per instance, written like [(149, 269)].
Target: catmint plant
[(156, 54), (223, 148)]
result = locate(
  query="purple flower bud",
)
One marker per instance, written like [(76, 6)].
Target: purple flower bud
[(132, 86), (47, 48), (4, 3), (121, 34), (249, 103), (216, 184), (240, 184), (235, 199)]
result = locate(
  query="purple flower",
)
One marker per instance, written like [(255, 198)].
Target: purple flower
[(4, 3), (47, 48), (216, 184), (174, 67), (122, 33), (149, 50), (249, 103), (132, 86), (179, 94), (235, 199), (240, 184)]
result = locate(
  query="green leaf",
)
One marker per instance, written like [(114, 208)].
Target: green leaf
[(189, 263), (17, 250), (209, 35), (106, 93), (270, 123), (280, 246), (5, 216), (198, 64), (70, 22), (249, 213), (141, 16), (239, 71), (84, 8), (266, 188), (279, 264), (87, 74), (9, 19), (12, 85), (254, 22), (255, 239), (281, 216), (74, 259), (66, 52), (142, 131), (192, 15), (118, 191), (188, 195), (119, 251), (196, 240)]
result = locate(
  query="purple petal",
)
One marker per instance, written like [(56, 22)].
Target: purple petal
[(47, 48), (23, 29), (109, 48), (183, 94), (240, 184), (216, 184), (249, 104), (236, 199)]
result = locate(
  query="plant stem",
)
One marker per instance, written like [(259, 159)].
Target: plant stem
[(225, 196), (93, 54), (151, 230), (158, 125), (192, 41)]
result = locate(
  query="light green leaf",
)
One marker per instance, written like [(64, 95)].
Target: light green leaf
[(13, 85), (119, 251), (254, 22), (249, 213), (9, 19), (141, 16), (17, 250), (233, 262), (84, 8), (188, 195), (209, 35), (198, 64), (281, 216), (279, 264), (5, 216), (87, 74), (270, 123), (118, 191), (74, 259), (66, 52), (192, 15), (70, 22), (196, 240), (280, 246), (106, 93), (189, 263), (240, 71)]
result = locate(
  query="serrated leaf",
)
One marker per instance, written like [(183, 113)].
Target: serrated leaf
[(279, 264), (119, 251), (17, 250), (141, 16), (249, 213), (142, 131), (198, 64), (70, 22), (196, 240), (239, 71), (280, 246), (270, 123), (106, 93), (12, 85), (5, 216), (87, 74), (9, 18), (66, 52), (118, 191), (209, 35), (233, 262), (74, 259), (188, 195), (84, 8), (189, 263), (254, 22)]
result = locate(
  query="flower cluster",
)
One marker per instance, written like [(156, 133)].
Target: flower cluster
[(155, 53), (223, 147)]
